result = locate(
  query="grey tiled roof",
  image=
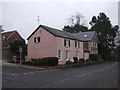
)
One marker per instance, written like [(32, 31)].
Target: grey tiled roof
[(85, 36), (57, 32)]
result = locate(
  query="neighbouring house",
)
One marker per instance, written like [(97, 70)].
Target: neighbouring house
[(50, 42), (7, 38), (90, 41)]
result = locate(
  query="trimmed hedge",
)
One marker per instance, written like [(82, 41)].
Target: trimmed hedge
[(94, 57), (48, 61), (69, 62), (75, 59), (82, 60)]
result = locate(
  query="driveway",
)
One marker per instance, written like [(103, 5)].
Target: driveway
[(103, 75)]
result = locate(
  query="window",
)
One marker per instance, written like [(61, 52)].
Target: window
[(77, 44), (91, 44), (66, 43), (37, 39), (3, 38), (59, 55), (77, 54), (96, 45), (67, 55)]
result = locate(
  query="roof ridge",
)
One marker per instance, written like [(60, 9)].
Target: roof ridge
[(9, 31), (56, 32)]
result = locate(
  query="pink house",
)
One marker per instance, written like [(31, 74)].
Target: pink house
[(50, 42)]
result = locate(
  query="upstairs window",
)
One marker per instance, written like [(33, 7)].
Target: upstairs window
[(77, 44), (36, 39), (66, 43)]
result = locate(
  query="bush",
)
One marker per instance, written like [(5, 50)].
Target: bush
[(81, 60), (48, 61), (52, 61), (87, 60), (94, 57), (75, 59), (69, 62)]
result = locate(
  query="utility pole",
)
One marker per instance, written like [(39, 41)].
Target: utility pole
[(20, 50)]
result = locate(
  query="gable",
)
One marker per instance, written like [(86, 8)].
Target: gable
[(95, 38), (7, 35)]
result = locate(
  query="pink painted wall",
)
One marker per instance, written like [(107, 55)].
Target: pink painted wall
[(72, 49), (45, 48), (49, 46), (86, 55)]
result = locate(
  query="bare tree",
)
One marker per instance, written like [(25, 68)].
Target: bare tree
[(76, 19)]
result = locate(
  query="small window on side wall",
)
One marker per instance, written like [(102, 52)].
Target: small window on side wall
[(36, 39)]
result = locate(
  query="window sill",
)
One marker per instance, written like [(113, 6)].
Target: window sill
[(60, 60), (37, 42), (67, 46), (67, 59)]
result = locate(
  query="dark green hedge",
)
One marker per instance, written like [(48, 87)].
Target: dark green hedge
[(48, 61), (82, 60), (75, 59), (69, 62), (94, 57)]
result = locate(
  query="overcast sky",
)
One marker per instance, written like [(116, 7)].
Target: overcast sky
[(22, 16)]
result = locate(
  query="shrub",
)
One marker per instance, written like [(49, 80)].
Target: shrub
[(81, 60), (87, 60), (69, 62), (94, 57), (52, 61), (48, 61), (75, 59)]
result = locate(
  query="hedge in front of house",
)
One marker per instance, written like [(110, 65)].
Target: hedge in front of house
[(94, 57), (75, 59), (48, 61), (82, 60), (69, 62)]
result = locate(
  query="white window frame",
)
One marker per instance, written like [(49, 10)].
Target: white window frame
[(67, 55), (91, 44), (59, 59), (3, 38), (96, 45), (77, 54), (67, 42), (77, 44), (36, 40)]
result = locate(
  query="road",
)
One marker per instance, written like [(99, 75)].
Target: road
[(103, 75)]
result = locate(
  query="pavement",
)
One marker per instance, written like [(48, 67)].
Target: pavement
[(103, 75)]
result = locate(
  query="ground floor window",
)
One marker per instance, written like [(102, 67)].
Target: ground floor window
[(67, 54), (77, 54), (59, 55)]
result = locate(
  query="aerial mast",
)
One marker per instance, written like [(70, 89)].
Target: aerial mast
[(38, 20)]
